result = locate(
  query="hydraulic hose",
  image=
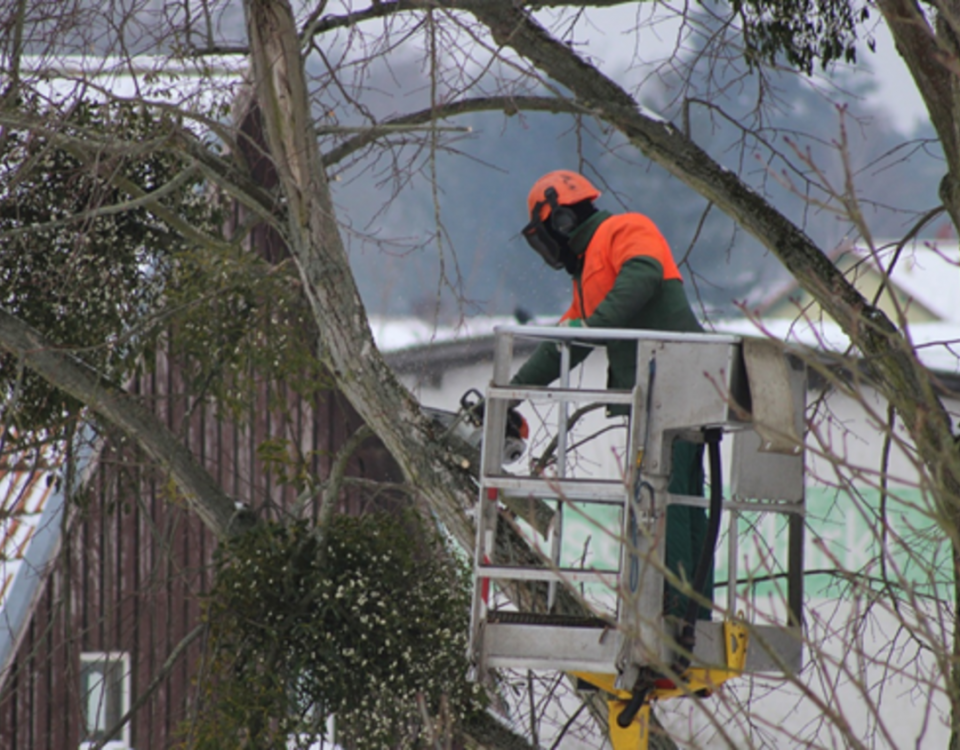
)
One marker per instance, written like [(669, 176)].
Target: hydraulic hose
[(640, 693), (687, 638)]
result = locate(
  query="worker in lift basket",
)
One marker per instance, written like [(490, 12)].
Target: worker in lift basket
[(624, 276)]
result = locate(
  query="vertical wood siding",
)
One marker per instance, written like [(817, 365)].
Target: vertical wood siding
[(135, 562)]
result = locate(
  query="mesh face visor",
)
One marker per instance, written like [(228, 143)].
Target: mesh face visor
[(536, 235)]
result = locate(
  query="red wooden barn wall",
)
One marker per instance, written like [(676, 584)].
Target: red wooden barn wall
[(134, 564)]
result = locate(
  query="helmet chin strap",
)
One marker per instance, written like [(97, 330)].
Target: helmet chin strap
[(572, 262), (568, 259)]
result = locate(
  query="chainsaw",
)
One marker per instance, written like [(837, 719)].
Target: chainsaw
[(467, 424)]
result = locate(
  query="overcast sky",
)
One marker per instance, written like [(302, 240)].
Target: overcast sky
[(896, 92), (608, 37)]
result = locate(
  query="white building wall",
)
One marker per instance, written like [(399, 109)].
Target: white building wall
[(866, 663)]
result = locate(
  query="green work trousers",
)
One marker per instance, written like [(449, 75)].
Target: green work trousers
[(686, 528)]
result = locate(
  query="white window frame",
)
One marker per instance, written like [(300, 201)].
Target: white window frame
[(110, 657)]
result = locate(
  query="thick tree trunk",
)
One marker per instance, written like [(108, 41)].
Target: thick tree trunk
[(346, 343), (347, 346), (931, 55)]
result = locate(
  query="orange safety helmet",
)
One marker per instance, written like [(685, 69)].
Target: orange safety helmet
[(570, 188)]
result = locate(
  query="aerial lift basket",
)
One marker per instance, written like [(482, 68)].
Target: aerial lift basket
[(697, 387)]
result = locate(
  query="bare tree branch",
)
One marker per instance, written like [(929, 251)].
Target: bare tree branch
[(158, 678), (61, 369), (331, 490), (507, 104)]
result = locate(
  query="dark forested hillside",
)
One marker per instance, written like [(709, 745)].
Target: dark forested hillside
[(480, 264)]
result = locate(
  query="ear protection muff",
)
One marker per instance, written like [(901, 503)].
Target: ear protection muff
[(563, 220), (547, 240)]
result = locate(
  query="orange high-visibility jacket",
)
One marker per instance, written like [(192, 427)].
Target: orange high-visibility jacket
[(618, 239)]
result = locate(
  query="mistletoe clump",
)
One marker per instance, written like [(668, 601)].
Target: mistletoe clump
[(366, 622), (83, 255)]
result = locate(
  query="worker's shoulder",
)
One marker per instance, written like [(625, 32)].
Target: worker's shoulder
[(628, 221), (631, 230)]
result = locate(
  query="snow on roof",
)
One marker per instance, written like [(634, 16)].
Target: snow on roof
[(197, 85), (32, 506), (926, 272), (23, 495), (394, 334), (29, 506), (937, 344)]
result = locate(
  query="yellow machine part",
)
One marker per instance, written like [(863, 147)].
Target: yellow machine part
[(634, 737), (696, 680)]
